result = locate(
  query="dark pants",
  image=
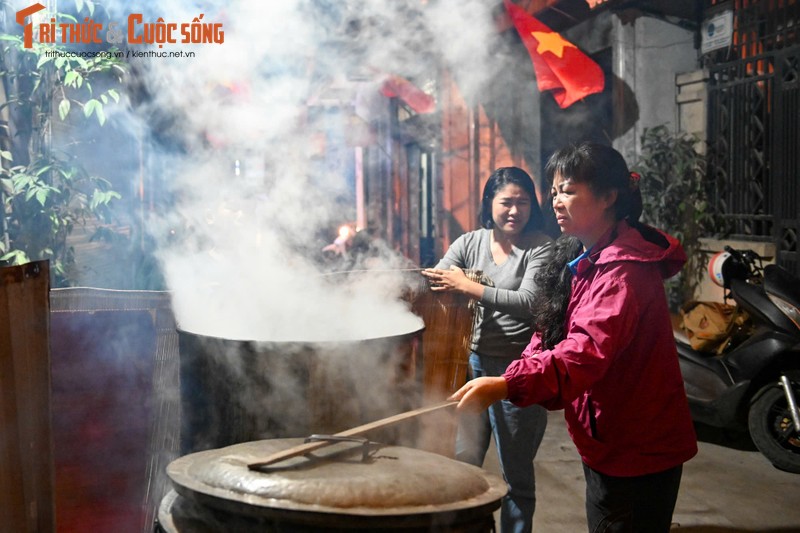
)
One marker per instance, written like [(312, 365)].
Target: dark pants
[(641, 504)]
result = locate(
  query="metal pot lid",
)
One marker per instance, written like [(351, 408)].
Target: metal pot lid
[(339, 479)]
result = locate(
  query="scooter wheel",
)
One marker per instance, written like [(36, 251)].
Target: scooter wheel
[(772, 428)]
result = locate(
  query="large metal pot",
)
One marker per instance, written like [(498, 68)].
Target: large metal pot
[(235, 391), (345, 486)]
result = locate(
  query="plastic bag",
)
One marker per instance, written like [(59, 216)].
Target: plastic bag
[(711, 326)]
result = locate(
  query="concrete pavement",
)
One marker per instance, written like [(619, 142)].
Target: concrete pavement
[(727, 488)]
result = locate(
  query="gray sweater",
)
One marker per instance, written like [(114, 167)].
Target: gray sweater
[(502, 327)]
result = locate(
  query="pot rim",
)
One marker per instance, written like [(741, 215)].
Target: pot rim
[(326, 342)]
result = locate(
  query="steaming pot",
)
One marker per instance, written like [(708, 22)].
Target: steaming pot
[(347, 486), (235, 391)]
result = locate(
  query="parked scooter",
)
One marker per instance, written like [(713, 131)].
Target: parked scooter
[(754, 383)]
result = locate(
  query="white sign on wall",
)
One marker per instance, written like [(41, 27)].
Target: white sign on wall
[(717, 32)]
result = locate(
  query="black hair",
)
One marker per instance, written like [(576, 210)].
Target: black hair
[(553, 288), (604, 170), (499, 179)]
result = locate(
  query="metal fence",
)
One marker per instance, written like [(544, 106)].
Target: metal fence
[(754, 123)]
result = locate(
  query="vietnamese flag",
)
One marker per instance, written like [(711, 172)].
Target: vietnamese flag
[(559, 65)]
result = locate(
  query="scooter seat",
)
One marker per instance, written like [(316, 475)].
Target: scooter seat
[(782, 284), (753, 299), (706, 359)]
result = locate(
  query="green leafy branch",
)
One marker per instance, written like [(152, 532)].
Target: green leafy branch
[(47, 199), (675, 199), (71, 76), (46, 192)]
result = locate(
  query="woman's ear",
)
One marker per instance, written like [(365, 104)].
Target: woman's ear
[(610, 198)]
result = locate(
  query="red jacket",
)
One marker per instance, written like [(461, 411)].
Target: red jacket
[(616, 373)]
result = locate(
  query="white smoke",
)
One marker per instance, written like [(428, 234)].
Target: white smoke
[(238, 264)]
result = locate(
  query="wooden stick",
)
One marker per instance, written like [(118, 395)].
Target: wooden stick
[(372, 270), (303, 449)]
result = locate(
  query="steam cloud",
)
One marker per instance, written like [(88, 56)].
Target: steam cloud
[(238, 264)]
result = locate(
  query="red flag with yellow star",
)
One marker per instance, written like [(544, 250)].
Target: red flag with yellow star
[(559, 65)]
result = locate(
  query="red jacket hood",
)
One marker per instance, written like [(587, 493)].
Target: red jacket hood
[(645, 245)]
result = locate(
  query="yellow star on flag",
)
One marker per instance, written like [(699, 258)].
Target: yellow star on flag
[(550, 41)]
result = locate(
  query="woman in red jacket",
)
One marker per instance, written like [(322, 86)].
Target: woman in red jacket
[(604, 350)]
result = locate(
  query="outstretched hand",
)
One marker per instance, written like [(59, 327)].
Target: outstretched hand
[(478, 394), (445, 280), (453, 280)]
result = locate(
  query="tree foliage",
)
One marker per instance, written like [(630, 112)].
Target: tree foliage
[(674, 198), (50, 97)]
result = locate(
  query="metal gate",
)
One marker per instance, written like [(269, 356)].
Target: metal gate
[(754, 149), (754, 125)]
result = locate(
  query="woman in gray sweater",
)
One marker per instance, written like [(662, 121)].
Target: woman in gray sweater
[(509, 249)]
